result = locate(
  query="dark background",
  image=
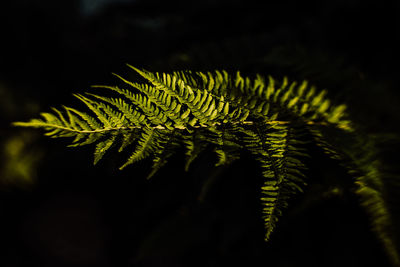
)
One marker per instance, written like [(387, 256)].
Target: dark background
[(56, 209)]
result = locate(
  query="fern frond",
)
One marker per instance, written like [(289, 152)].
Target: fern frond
[(168, 144), (102, 147), (370, 189), (146, 145), (360, 164), (280, 154), (227, 113), (255, 143)]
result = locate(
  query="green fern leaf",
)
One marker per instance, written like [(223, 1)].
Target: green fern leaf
[(145, 146), (102, 147), (272, 120)]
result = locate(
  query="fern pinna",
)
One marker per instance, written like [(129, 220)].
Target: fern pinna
[(229, 113)]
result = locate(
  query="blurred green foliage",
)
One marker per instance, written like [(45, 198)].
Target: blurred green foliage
[(20, 159)]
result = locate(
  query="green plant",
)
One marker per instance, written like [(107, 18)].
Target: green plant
[(276, 122)]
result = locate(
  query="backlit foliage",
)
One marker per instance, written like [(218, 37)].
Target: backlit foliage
[(274, 121)]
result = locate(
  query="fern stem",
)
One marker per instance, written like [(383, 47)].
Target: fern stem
[(159, 127)]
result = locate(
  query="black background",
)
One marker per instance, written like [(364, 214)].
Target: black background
[(70, 213)]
